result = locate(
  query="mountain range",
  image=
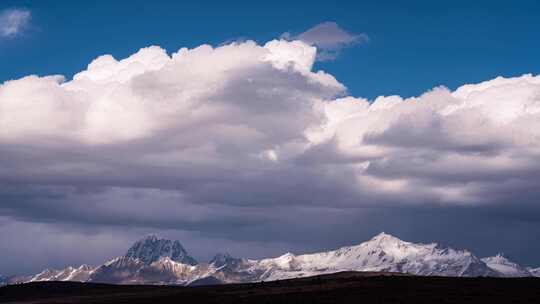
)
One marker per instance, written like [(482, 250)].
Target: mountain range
[(154, 260)]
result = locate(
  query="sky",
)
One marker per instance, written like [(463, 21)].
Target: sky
[(259, 130)]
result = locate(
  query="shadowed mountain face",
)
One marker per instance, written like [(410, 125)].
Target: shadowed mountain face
[(225, 260), (152, 249), (159, 261)]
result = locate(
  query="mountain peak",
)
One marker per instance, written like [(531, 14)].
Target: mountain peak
[(385, 237), (152, 248), (498, 258), (156, 260), (505, 266), (222, 259), (221, 256), (150, 236)]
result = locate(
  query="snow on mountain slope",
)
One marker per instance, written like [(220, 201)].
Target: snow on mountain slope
[(506, 267), (80, 274), (149, 260), (168, 271), (228, 269), (121, 270), (152, 261), (534, 271), (124, 270), (382, 253), (152, 248), (159, 261)]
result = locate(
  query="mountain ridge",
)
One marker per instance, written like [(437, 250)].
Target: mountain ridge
[(153, 260)]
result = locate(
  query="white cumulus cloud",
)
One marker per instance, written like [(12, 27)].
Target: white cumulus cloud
[(246, 127)]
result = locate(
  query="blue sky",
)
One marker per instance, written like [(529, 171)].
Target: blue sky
[(245, 148), (414, 45)]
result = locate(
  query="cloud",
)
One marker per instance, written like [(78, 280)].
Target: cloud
[(454, 147), (329, 38), (13, 21), (244, 140), (209, 121)]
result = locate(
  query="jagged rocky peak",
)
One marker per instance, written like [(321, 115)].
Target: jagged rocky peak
[(153, 248), (222, 259)]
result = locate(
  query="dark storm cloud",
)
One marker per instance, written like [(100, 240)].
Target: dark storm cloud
[(116, 207)]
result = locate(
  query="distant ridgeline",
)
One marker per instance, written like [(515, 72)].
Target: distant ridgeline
[(154, 260)]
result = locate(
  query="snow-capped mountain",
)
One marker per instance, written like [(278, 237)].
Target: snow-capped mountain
[(382, 253), (152, 249), (3, 280), (150, 260), (508, 268), (224, 259), (159, 261), (125, 270)]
